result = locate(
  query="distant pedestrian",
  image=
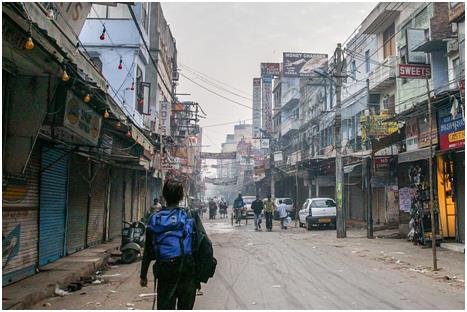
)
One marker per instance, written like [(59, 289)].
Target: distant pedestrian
[(257, 207), (269, 207), (212, 209), (238, 206), (282, 212)]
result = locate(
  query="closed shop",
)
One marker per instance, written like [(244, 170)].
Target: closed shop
[(128, 194), (53, 196), (97, 204), (116, 202), (77, 204), (20, 212)]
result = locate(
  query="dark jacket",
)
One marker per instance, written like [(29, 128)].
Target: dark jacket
[(257, 206), (149, 255)]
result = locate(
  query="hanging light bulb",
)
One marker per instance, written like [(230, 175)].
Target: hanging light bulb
[(106, 114), (50, 14), (132, 86), (120, 66), (29, 44), (87, 98), (128, 134), (118, 125), (102, 36), (65, 76)]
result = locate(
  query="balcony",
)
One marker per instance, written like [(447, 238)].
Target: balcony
[(289, 126), (383, 76)]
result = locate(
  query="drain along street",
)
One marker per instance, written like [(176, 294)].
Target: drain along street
[(266, 155)]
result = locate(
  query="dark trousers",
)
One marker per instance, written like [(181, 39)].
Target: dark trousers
[(181, 285), (282, 223), (268, 216), (183, 297)]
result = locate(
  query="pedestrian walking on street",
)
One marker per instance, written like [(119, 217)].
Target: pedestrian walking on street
[(282, 211), (269, 208), (212, 209), (257, 207), (183, 254)]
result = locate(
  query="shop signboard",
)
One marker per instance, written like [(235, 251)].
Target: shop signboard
[(296, 65), (451, 130), (424, 132), (382, 163), (82, 120), (375, 126), (414, 71), (256, 107), (164, 113)]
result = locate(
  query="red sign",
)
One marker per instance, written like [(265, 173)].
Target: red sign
[(462, 85), (414, 71), (382, 162)]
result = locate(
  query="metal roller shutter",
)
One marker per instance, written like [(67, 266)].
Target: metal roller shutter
[(77, 204), (128, 194), (116, 203), (97, 205), (20, 208), (52, 213)]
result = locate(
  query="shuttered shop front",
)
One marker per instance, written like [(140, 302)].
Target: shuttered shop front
[(20, 208), (53, 195), (116, 202), (97, 204), (77, 204)]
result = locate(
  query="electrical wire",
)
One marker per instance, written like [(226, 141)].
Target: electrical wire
[(226, 123)]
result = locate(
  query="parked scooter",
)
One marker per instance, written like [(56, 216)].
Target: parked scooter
[(133, 235)]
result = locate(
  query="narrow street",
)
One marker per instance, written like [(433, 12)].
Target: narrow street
[(295, 269)]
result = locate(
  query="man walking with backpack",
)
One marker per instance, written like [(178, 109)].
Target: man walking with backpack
[(176, 239)]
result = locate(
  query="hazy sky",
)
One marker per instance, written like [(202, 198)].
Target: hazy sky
[(228, 41)]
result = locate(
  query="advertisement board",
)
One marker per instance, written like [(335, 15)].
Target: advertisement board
[(451, 130), (375, 126), (415, 37), (267, 104), (270, 69), (256, 107), (297, 65), (232, 155), (82, 120)]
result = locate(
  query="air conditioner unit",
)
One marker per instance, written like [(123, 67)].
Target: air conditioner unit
[(175, 76)]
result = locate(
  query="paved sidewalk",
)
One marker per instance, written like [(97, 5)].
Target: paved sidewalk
[(64, 271)]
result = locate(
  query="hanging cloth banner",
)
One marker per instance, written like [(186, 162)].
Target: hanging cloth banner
[(232, 155)]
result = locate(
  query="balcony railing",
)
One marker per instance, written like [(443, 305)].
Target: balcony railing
[(291, 124), (383, 75)]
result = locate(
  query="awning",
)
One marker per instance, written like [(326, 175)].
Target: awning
[(350, 168), (324, 181), (419, 154)]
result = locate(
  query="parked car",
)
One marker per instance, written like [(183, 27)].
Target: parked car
[(318, 212)]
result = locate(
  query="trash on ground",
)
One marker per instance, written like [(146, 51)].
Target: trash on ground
[(97, 282), (47, 304), (447, 277), (111, 275), (354, 251), (130, 304), (276, 286), (148, 295), (399, 252), (83, 293), (314, 247), (199, 292), (60, 292), (113, 291), (253, 303)]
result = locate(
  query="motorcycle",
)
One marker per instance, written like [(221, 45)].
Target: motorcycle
[(133, 236)]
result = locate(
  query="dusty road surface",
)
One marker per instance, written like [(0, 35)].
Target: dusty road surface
[(293, 269)]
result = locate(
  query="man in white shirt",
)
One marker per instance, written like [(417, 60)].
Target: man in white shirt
[(282, 210)]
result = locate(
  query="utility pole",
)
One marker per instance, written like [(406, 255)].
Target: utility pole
[(430, 168), (369, 190), (341, 230)]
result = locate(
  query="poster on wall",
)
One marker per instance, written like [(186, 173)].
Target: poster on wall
[(405, 198), (297, 65), (267, 104)]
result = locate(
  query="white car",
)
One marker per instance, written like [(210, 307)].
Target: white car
[(318, 212), (248, 200)]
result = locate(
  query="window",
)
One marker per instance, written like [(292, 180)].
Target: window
[(389, 42), (139, 88), (120, 11), (353, 69), (323, 203), (456, 68), (367, 61), (145, 15)]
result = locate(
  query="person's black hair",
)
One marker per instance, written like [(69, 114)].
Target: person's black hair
[(257, 196), (280, 201), (156, 200), (269, 196), (172, 192)]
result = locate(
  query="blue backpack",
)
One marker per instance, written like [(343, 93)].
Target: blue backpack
[(172, 233)]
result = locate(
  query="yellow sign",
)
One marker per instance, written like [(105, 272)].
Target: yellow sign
[(456, 136), (375, 126)]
